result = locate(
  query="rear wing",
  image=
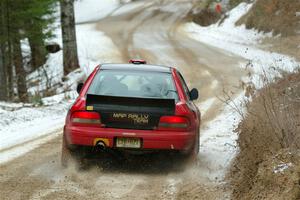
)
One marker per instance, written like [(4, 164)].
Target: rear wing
[(154, 106)]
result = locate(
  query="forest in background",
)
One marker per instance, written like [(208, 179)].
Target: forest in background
[(25, 30)]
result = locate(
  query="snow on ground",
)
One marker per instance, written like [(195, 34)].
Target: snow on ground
[(282, 167), (28, 123), (94, 47), (206, 105), (93, 10), (32, 126), (2, 111), (130, 7), (10, 154), (28, 127), (218, 141), (242, 42), (5, 106)]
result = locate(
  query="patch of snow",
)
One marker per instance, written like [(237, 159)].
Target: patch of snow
[(206, 105), (59, 98), (94, 47), (173, 7), (130, 7), (93, 10), (10, 106), (227, 31), (2, 111), (25, 124), (26, 51), (48, 75), (9, 154), (126, 1), (243, 42), (218, 142), (281, 167), (214, 84)]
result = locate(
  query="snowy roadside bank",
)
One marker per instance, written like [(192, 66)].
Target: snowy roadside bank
[(242, 42), (218, 142), (25, 124), (218, 139)]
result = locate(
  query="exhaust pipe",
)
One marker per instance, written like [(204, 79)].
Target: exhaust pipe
[(101, 146)]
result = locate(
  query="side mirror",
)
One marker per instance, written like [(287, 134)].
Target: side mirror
[(79, 87), (194, 94)]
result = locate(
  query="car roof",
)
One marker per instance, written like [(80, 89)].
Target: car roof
[(137, 67)]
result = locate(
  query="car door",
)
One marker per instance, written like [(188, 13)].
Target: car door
[(190, 103)]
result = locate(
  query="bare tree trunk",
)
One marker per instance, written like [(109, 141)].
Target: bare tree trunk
[(20, 71), (37, 46), (3, 77), (10, 74), (70, 57), (38, 53), (7, 52)]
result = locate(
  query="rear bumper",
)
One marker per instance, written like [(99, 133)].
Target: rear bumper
[(151, 139)]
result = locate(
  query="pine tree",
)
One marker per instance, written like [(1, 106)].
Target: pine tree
[(6, 69), (3, 77), (36, 29), (22, 19)]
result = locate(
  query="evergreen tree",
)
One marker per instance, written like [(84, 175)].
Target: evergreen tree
[(22, 19), (6, 68), (36, 29), (3, 77)]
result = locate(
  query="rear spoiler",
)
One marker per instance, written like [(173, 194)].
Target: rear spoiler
[(102, 103)]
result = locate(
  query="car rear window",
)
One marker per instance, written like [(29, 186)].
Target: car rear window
[(134, 84)]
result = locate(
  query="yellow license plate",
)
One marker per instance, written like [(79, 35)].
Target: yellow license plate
[(128, 143)]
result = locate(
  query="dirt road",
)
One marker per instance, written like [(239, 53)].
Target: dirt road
[(153, 32)]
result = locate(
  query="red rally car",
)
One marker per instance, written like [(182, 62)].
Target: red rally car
[(134, 107)]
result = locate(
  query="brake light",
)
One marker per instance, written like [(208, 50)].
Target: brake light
[(86, 118), (176, 123)]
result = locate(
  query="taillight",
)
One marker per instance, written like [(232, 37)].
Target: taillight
[(175, 123), (86, 118)]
